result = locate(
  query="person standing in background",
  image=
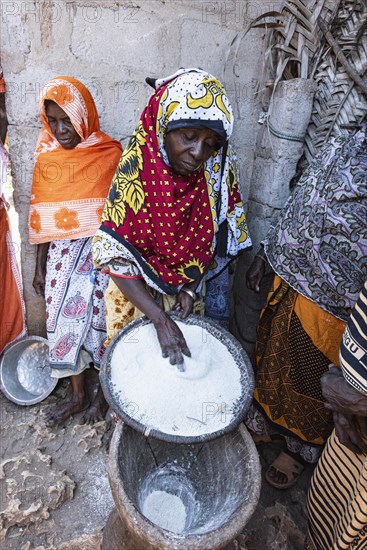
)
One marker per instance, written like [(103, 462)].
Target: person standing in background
[(337, 499), (11, 303), (317, 249), (74, 165)]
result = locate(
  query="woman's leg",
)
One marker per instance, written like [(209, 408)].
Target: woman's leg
[(95, 343), (98, 409), (79, 401)]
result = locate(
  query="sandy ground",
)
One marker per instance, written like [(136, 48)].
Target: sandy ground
[(54, 487), (55, 493)]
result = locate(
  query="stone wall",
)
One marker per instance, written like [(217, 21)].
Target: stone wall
[(279, 147), (112, 46)]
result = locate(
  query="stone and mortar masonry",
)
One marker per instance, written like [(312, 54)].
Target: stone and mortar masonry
[(112, 46)]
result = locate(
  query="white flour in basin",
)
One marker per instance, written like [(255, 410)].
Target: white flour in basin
[(165, 510), (191, 403)]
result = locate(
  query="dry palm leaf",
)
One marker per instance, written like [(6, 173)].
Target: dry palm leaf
[(334, 53), (293, 40), (340, 102)]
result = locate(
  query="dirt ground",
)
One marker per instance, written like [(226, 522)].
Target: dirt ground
[(55, 493)]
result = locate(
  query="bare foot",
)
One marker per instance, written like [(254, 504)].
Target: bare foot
[(61, 412), (98, 409)]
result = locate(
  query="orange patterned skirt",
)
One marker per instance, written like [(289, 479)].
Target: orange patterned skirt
[(296, 342)]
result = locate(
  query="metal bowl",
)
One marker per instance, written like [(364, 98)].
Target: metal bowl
[(25, 372), (239, 356)]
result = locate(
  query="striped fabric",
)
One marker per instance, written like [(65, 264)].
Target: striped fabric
[(337, 500), (353, 352)]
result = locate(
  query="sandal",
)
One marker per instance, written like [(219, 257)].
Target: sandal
[(288, 466)]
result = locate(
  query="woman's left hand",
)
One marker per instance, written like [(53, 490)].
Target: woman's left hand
[(341, 396), (184, 305)]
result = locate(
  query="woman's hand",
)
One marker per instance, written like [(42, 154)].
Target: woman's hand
[(184, 305), (39, 282), (171, 339), (350, 432), (255, 272), (341, 396), (349, 408)]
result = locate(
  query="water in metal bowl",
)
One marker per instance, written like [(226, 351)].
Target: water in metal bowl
[(25, 373)]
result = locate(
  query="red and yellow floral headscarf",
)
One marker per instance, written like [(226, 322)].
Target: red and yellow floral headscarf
[(70, 186), (164, 223)]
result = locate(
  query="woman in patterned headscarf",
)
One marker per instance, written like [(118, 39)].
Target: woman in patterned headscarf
[(74, 167), (174, 213)]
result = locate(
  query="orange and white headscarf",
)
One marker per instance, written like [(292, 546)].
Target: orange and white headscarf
[(70, 186)]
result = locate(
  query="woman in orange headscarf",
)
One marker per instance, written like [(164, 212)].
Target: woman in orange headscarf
[(74, 165)]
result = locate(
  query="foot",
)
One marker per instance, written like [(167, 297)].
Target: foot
[(60, 413), (265, 438), (97, 411), (285, 470)]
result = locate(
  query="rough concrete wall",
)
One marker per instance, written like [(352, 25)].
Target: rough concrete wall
[(273, 168), (112, 46)]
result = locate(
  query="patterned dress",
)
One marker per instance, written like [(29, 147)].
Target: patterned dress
[(75, 307), (318, 250), (11, 303), (69, 191)]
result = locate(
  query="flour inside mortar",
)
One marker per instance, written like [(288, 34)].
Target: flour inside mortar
[(165, 510), (197, 401)]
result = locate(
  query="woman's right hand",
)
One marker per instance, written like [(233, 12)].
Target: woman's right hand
[(351, 432), (171, 339), (255, 273), (39, 282), (341, 396)]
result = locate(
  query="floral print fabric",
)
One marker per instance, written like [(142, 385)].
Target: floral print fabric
[(319, 244), (75, 306)]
